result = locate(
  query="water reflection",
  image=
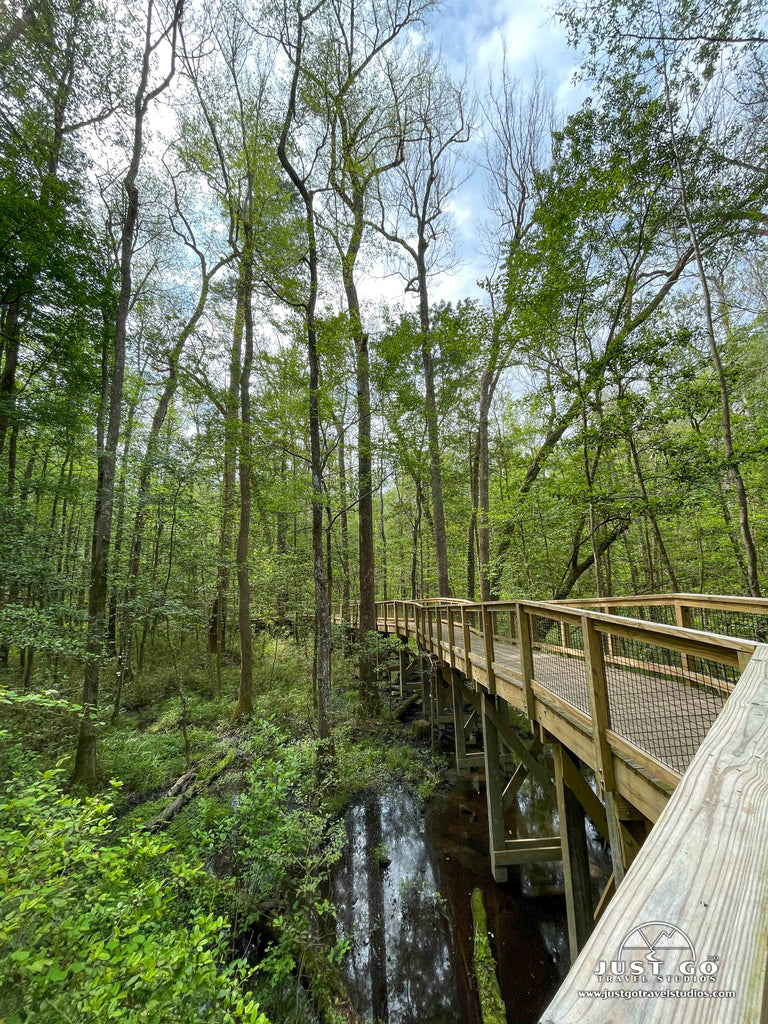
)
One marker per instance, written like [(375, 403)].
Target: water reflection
[(402, 894), (399, 969)]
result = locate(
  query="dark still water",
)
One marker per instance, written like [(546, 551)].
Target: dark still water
[(403, 898)]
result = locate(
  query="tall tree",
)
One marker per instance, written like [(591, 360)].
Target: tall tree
[(159, 36), (414, 215)]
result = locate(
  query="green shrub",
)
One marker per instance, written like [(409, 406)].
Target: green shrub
[(98, 928)]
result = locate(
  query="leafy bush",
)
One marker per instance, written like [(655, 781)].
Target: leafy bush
[(98, 928)]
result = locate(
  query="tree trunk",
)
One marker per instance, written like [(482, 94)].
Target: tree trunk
[(483, 489), (85, 757), (322, 603), (433, 431), (750, 552), (245, 695)]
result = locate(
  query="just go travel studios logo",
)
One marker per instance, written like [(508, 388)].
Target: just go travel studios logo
[(658, 957)]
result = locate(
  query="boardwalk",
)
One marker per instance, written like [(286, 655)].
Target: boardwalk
[(673, 722)]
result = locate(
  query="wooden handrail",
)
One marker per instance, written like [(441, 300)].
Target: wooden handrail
[(711, 646)]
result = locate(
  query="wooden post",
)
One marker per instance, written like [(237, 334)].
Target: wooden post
[(451, 640), (425, 669), (573, 840), (526, 658), (403, 669), (429, 628), (489, 648), (594, 664), (458, 723), (683, 618), (493, 790), (511, 617), (467, 643)]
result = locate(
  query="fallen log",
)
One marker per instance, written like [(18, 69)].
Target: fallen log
[(402, 708), (189, 793), (491, 1004)]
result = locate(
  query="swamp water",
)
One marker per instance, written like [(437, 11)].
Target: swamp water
[(402, 893)]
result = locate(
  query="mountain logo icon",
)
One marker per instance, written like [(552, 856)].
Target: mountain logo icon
[(653, 941)]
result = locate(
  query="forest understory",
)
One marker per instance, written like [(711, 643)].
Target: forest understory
[(223, 902)]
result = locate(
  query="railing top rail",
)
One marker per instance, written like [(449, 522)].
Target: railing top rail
[(675, 637), (627, 600), (714, 645), (695, 600)]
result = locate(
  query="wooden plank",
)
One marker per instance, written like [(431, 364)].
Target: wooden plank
[(649, 763), (460, 742), (467, 637), (517, 851), (517, 746), (493, 789), (451, 639), (598, 701), (605, 898), (489, 648), (703, 869), (691, 641), (533, 843), (520, 775)]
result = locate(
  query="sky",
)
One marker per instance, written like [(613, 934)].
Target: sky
[(472, 35)]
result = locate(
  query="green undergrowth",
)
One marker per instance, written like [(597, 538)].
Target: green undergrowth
[(102, 917)]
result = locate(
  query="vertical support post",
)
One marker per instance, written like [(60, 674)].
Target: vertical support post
[(683, 618), (601, 721), (451, 640), (493, 790), (608, 637), (565, 639), (573, 841), (402, 669), (424, 670), (526, 658), (429, 627), (433, 685), (511, 617), (489, 649), (458, 723), (467, 643)]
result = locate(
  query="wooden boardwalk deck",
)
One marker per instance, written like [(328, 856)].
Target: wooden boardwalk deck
[(659, 688)]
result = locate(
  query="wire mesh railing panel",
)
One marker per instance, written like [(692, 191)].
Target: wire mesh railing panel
[(730, 622), (505, 625), (661, 701), (661, 613), (553, 667)]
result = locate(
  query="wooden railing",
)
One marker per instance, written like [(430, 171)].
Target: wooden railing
[(641, 692)]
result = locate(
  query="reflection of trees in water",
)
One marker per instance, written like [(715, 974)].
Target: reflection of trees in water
[(350, 896), (556, 940), (399, 968), (376, 913)]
